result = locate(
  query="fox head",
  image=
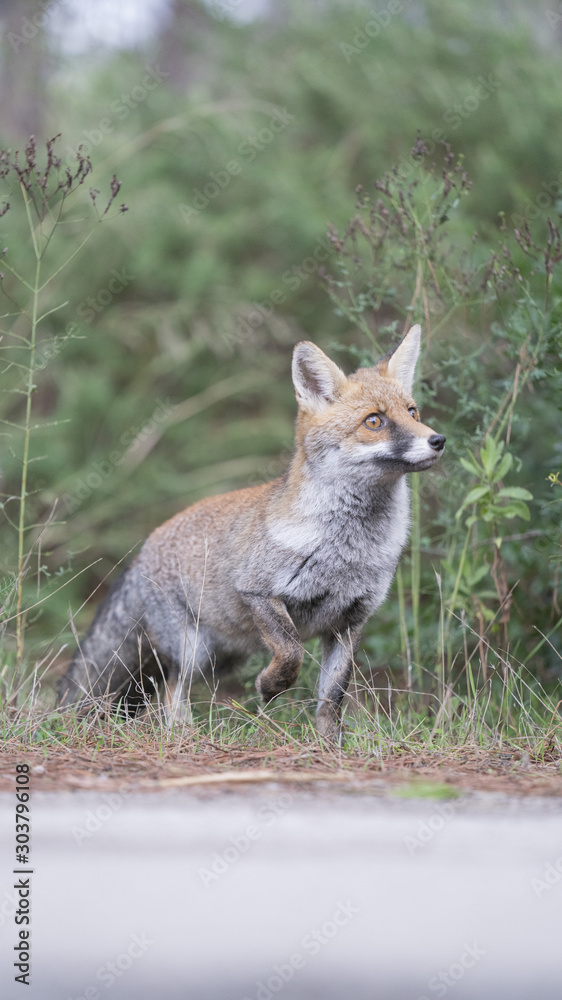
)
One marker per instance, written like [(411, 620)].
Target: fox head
[(367, 420)]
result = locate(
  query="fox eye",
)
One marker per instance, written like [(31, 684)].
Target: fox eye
[(413, 412), (373, 421)]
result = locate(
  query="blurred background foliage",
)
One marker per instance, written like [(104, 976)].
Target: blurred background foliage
[(237, 141)]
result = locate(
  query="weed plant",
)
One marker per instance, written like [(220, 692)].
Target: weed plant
[(39, 194)]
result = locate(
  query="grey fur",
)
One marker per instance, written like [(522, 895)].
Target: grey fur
[(311, 554)]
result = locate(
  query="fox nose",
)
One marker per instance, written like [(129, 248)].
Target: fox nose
[(437, 441)]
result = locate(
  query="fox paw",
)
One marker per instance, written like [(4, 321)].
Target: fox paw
[(330, 730), (267, 687)]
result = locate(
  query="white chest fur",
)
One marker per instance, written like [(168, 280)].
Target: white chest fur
[(346, 550)]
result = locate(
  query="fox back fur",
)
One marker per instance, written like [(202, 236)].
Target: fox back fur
[(312, 553)]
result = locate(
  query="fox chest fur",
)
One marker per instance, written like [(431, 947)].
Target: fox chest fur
[(331, 567), (337, 566)]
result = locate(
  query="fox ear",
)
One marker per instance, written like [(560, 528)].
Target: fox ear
[(317, 380), (401, 364)]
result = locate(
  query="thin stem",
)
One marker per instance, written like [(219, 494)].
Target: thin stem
[(457, 582), (404, 639), (67, 261), (26, 440), (17, 275)]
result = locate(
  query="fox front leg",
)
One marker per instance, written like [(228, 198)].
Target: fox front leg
[(279, 634), (338, 651)]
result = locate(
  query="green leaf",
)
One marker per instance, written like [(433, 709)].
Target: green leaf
[(503, 467), (516, 509), (476, 494), (476, 576), (488, 455), (515, 493), (471, 465)]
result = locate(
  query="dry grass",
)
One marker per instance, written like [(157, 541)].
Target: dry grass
[(134, 763), (506, 735)]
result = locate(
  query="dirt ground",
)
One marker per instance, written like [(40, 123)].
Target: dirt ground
[(513, 773)]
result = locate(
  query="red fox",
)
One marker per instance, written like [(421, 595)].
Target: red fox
[(312, 553)]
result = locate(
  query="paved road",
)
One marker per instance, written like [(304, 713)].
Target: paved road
[(235, 896)]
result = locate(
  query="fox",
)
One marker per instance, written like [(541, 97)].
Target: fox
[(311, 554)]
